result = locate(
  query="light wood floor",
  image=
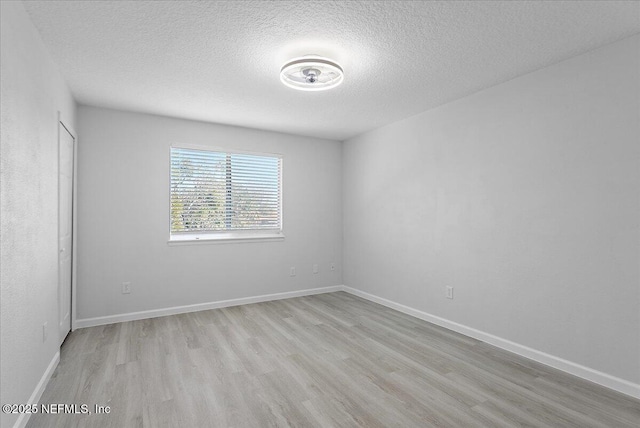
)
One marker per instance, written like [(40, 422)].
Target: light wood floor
[(318, 361)]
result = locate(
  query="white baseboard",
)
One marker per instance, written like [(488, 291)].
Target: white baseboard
[(37, 393), (570, 367), (154, 313), (604, 379)]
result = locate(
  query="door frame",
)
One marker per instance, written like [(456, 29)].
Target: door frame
[(74, 216)]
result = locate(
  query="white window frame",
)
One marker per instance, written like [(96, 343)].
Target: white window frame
[(227, 236)]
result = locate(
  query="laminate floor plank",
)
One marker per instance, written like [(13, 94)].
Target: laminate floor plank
[(329, 360)]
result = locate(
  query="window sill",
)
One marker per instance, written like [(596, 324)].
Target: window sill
[(224, 238)]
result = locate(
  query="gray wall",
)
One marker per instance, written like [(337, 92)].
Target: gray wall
[(32, 94), (525, 198), (123, 217)]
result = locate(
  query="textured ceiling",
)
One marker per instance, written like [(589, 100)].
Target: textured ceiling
[(220, 61)]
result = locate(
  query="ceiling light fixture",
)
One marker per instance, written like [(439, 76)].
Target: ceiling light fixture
[(311, 73)]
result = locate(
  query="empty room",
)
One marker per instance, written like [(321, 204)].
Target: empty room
[(320, 214)]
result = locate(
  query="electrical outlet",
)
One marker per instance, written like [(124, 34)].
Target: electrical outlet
[(449, 293), (333, 266), (292, 271), (126, 288), (315, 268), (44, 331)]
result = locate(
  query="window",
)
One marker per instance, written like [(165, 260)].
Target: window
[(222, 195)]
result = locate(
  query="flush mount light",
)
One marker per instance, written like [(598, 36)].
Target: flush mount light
[(311, 73)]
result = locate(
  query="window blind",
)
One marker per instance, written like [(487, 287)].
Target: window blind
[(221, 191)]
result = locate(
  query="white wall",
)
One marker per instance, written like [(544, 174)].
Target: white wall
[(123, 217), (32, 94), (525, 198)]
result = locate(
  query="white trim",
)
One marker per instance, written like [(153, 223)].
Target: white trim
[(153, 313), (74, 229), (224, 237), (604, 379), (37, 393)]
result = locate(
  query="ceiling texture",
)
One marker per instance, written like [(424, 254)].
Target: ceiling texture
[(220, 61)]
